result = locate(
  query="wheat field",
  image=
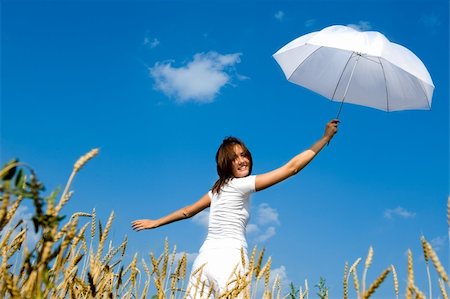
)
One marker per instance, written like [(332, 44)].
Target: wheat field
[(70, 260)]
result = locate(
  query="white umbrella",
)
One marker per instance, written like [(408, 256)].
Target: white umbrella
[(364, 68)]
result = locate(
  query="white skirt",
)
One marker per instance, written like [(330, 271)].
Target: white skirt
[(218, 263)]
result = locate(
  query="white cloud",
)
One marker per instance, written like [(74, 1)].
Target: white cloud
[(269, 233), (281, 273), (200, 80), (263, 228), (275, 273), (398, 212), (267, 215), (151, 42), (438, 243), (154, 43), (361, 26), (252, 228), (279, 15), (202, 218)]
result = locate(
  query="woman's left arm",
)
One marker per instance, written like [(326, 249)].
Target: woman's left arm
[(181, 214), (297, 163)]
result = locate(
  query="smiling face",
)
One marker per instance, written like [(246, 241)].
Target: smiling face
[(241, 164), (233, 160)]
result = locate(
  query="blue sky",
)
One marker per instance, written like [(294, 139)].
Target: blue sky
[(157, 85)]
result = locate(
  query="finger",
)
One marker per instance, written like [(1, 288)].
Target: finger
[(136, 224), (137, 228)]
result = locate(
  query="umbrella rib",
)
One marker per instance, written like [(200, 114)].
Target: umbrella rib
[(428, 100), (425, 94), (342, 73), (298, 66), (387, 94), (385, 85)]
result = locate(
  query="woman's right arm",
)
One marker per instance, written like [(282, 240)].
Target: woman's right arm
[(298, 162), (183, 213)]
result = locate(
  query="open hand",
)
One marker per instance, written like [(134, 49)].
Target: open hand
[(141, 224)]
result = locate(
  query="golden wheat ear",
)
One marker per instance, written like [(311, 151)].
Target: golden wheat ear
[(376, 283), (65, 196), (366, 267), (437, 264), (394, 277)]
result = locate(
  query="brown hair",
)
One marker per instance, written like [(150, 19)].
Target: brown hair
[(224, 160)]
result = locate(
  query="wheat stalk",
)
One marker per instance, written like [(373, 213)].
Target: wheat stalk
[(78, 165), (4, 210), (258, 265), (376, 284), (419, 294), (165, 261), (442, 288), (437, 264), (426, 257), (345, 281), (354, 265), (267, 276), (12, 209), (366, 267), (275, 283), (198, 272), (394, 276), (251, 262), (355, 282), (410, 282), (243, 257), (104, 235)]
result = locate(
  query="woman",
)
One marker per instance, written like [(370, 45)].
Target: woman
[(220, 254)]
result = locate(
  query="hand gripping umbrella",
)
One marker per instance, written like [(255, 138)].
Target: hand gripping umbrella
[(364, 68)]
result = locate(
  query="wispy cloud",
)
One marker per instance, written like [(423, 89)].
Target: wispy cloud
[(252, 228), (361, 26), (202, 218), (266, 235), (265, 221), (279, 273), (151, 42), (199, 80), (279, 15), (431, 20), (398, 212), (267, 215), (438, 243), (310, 23)]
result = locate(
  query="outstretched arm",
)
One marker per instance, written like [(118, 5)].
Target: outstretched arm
[(297, 163), (183, 213)]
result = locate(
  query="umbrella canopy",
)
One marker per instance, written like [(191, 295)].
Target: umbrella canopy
[(364, 68)]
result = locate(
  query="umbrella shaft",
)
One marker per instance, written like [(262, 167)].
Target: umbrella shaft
[(348, 84)]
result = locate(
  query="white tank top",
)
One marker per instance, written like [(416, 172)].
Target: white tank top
[(229, 214)]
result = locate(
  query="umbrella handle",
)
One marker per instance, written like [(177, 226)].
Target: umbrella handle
[(337, 118)]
